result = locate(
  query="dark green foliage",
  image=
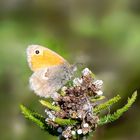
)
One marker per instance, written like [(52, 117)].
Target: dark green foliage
[(116, 115)]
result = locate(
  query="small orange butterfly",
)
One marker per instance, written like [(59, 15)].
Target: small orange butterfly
[(51, 71)]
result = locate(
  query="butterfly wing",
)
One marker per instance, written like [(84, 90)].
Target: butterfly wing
[(40, 57), (47, 81)]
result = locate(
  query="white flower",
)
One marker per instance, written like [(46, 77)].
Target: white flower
[(69, 128), (50, 115), (81, 113), (46, 110), (79, 131), (67, 132), (98, 84), (73, 132), (86, 72), (86, 125), (86, 107), (65, 135), (47, 119), (53, 119), (53, 103), (99, 92), (77, 81)]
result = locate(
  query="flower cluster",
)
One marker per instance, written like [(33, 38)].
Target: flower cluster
[(75, 103)]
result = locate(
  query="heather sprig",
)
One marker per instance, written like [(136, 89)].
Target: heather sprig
[(78, 110)]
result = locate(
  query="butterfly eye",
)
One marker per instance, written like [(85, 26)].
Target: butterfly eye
[(37, 52)]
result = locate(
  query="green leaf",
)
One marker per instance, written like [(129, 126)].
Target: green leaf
[(116, 115), (33, 116), (49, 105), (65, 121), (107, 104), (97, 99), (38, 119)]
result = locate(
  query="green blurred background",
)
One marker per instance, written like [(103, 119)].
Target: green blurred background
[(102, 34)]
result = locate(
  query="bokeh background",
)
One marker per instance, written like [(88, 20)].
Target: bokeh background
[(102, 34)]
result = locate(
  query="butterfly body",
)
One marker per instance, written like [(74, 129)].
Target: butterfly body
[(51, 71)]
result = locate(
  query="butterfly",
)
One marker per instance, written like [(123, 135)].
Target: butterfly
[(50, 70)]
